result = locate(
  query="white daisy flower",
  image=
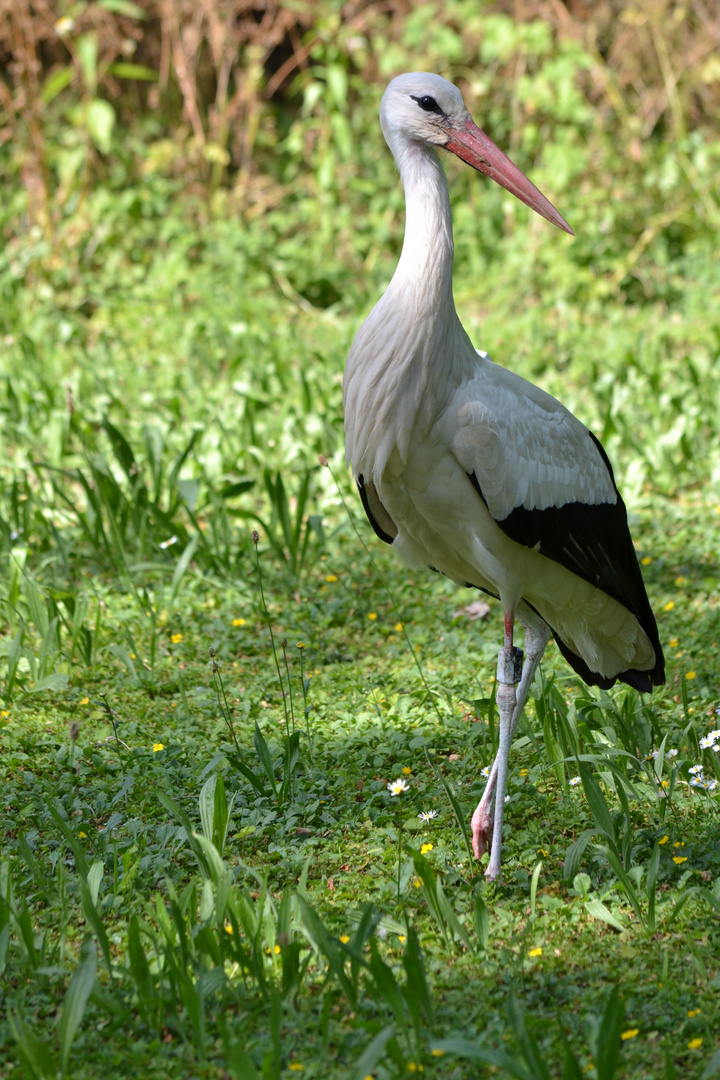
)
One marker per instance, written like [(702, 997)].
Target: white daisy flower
[(397, 787), (575, 781), (428, 815)]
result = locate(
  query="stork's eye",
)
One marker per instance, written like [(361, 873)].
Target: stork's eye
[(427, 103)]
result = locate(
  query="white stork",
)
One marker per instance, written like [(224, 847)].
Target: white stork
[(466, 468)]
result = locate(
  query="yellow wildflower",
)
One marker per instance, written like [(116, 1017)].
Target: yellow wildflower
[(158, 746), (407, 770), (176, 638), (238, 622), (344, 938), (331, 577), (84, 701), (535, 952), (689, 675), (629, 1034), (677, 859), (646, 560), (425, 849), (694, 1044), (669, 606), (673, 643), (664, 839), (372, 616)]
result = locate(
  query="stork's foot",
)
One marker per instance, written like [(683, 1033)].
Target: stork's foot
[(481, 827)]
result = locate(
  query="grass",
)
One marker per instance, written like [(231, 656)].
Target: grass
[(210, 671), (117, 905)]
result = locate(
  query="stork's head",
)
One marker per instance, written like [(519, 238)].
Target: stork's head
[(424, 108)]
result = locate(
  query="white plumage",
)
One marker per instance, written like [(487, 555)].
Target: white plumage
[(470, 470)]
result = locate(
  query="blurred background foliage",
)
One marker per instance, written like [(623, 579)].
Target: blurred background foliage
[(199, 208)]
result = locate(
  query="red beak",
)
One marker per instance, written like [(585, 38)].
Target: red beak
[(473, 146)]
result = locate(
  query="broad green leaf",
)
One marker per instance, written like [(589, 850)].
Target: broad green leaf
[(133, 71), (50, 682), (87, 51), (56, 83), (94, 878), (100, 122), (123, 7), (597, 909)]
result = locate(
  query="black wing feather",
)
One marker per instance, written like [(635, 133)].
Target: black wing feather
[(374, 510), (594, 542)]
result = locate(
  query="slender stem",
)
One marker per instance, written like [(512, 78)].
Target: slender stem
[(289, 682), (223, 705), (272, 638), (399, 850), (306, 707)]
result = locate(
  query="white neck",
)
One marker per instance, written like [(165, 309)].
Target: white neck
[(424, 273)]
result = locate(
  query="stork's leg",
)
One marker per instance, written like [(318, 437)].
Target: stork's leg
[(537, 634), (509, 674)]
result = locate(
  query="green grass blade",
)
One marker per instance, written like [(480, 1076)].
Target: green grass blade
[(608, 1042), (598, 805), (627, 884), (482, 921), (533, 888), (651, 886), (263, 752), (713, 1066), (373, 1053), (179, 572), (34, 1054), (75, 1001)]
